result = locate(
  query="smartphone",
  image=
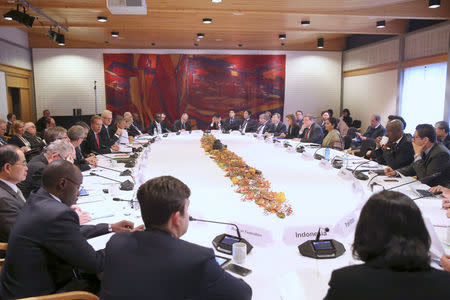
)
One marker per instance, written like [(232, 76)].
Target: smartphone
[(237, 269), (222, 260)]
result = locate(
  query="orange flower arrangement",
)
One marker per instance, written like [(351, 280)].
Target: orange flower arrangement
[(249, 181)]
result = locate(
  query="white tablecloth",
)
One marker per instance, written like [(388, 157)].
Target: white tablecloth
[(318, 195)]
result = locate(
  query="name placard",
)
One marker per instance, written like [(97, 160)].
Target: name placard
[(298, 235)]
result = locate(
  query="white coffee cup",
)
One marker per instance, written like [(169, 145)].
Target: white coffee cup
[(384, 140), (239, 252)]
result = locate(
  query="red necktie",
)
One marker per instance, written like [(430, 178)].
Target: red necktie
[(307, 133), (98, 141)]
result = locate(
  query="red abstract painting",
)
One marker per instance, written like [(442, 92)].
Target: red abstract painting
[(200, 85)]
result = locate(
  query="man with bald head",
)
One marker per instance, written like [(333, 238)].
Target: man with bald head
[(47, 249), (398, 152)]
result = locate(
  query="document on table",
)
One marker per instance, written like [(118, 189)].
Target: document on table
[(99, 242)]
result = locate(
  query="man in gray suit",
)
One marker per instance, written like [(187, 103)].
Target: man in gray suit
[(431, 162), (13, 169)]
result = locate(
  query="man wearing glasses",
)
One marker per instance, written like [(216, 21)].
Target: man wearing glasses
[(47, 250), (13, 169), (431, 162), (59, 149)]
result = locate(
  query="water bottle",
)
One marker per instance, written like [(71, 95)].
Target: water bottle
[(345, 160), (327, 153)]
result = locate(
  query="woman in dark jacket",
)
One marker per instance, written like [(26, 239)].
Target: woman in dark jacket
[(293, 131)]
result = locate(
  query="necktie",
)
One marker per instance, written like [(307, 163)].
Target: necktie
[(98, 140), (20, 195), (260, 129), (244, 126), (107, 132), (307, 134), (182, 125)]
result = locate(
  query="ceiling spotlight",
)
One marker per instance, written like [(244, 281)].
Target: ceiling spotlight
[(102, 19), (320, 43), (207, 20), (434, 3), (196, 44), (114, 33), (200, 35), (216, 1), (60, 39), (240, 45), (282, 36), (20, 17), (305, 23), (381, 24)]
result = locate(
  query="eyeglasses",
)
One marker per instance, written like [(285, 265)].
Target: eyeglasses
[(77, 184), (21, 163), (63, 138)]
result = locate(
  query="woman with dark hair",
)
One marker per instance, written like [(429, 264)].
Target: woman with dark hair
[(346, 117), (393, 242), (293, 130), (333, 138)]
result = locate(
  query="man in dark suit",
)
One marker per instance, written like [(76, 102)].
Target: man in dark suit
[(216, 123), (46, 247), (57, 150), (30, 135), (40, 124), (277, 127), (76, 135), (299, 117), (164, 124), (232, 123), (311, 132), (442, 133), (264, 124), (2, 132), (156, 127), (182, 124), (431, 162), (248, 125), (13, 169), (109, 134), (164, 266), (398, 152), (133, 130), (95, 143), (374, 130)]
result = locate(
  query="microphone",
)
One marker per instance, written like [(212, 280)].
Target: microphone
[(318, 156), (124, 186), (300, 148), (360, 175), (224, 242), (337, 164), (122, 173), (424, 195), (426, 178), (318, 233)]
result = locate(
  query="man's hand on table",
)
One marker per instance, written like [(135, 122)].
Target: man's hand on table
[(122, 226), (445, 262)]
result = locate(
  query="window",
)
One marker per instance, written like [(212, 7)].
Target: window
[(423, 95)]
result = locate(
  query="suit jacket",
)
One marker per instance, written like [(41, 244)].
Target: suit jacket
[(437, 160), (155, 265), (44, 246), (165, 126), (108, 135), (446, 141), (293, 132), (91, 144), (10, 205), (250, 125), (15, 140), (371, 282), (398, 156), (2, 141), (232, 124), (152, 128), (35, 141), (80, 161), (373, 133), (40, 124), (278, 129), (315, 134), (177, 126), (267, 127), (33, 181), (134, 130)]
